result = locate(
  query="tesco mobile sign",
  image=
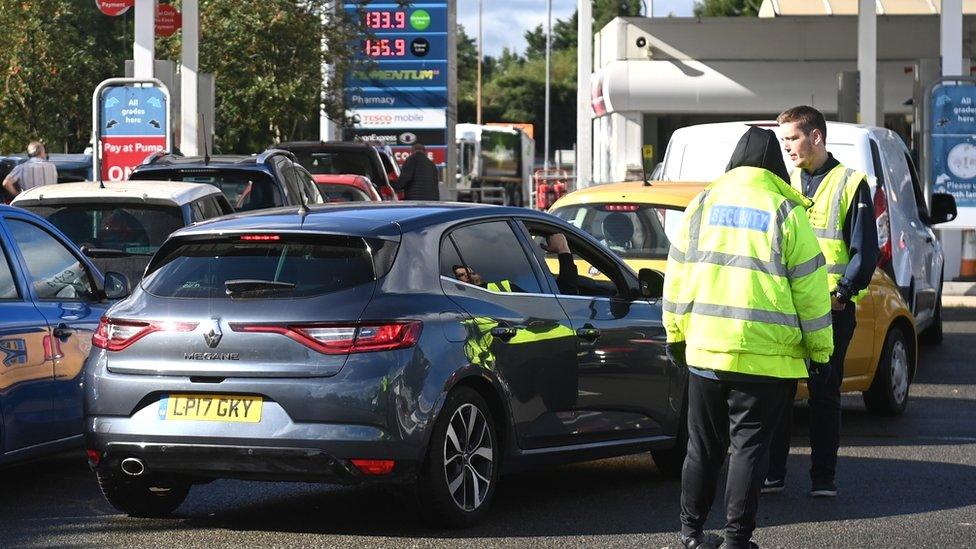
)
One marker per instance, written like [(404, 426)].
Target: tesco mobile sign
[(130, 122)]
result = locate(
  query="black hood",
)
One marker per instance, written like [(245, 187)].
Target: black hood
[(759, 148)]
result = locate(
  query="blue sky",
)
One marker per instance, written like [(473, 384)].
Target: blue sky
[(507, 20)]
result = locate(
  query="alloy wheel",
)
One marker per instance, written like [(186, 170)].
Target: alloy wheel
[(899, 372), (469, 457)]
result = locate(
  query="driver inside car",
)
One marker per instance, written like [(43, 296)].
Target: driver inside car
[(567, 279)]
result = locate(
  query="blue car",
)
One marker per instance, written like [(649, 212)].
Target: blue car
[(51, 298)]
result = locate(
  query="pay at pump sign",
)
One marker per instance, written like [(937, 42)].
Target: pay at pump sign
[(133, 125)]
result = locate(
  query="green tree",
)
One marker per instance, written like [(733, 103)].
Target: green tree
[(467, 75), (266, 57), (52, 55), (605, 11), (727, 8)]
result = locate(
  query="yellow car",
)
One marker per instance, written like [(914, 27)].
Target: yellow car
[(634, 220)]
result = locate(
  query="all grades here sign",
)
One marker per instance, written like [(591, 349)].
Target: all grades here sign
[(133, 124)]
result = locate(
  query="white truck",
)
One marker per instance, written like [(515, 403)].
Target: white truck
[(494, 164), (914, 255)]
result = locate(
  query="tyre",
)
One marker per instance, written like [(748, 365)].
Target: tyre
[(888, 394), (152, 496), (933, 334), (459, 476)]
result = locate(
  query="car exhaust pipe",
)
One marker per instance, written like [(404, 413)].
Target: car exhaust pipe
[(133, 466)]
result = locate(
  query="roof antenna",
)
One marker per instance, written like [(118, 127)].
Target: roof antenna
[(206, 144)]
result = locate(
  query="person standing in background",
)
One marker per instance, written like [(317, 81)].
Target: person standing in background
[(418, 176), (37, 171)]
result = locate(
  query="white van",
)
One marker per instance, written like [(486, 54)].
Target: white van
[(909, 250)]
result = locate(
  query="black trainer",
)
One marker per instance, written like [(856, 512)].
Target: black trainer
[(701, 541), (773, 486), (823, 489)]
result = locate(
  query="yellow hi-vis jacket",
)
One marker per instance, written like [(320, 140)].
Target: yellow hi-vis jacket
[(746, 284), (831, 202)]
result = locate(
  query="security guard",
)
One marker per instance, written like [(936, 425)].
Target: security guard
[(843, 218), (745, 304)]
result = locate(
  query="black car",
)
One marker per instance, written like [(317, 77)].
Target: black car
[(345, 157), (271, 179), (431, 346)]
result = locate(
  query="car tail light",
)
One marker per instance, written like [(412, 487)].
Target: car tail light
[(114, 334), (620, 207), (884, 226), (341, 339), (260, 238), (374, 466)]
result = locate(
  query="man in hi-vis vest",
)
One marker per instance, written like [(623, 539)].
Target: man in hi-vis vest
[(843, 218), (745, 306)]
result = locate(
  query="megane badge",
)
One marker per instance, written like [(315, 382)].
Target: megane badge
[(213, 335)]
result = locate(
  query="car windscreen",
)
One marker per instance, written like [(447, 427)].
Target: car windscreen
[(634, 231), (138, 229), (246, 190), (259, 266), (342, 193), (356, 161), (706, 161)]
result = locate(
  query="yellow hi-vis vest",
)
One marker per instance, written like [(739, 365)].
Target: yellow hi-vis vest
[(827, 216), (502, 286), (746, 284)]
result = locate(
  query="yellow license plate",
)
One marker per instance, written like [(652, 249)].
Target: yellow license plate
[(232, 408)]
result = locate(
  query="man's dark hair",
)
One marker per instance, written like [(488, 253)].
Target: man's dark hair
[(419, 147), (806, 118)]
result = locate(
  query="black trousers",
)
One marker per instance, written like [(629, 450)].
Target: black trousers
[(825, 413), (721, 413)]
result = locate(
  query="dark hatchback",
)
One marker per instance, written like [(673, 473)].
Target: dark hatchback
[(271, 179), (341, 346), (346, 158)]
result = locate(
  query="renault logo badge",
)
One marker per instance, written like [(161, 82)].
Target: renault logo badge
[(212, 336)]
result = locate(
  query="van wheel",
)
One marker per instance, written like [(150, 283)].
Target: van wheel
[(153, 496), (888, 394), (458, 479), (933, 334)]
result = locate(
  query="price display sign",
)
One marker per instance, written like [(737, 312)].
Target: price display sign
[(399, 86)]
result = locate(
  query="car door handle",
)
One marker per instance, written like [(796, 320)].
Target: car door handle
[(63, 332), (504, 332), (589, 334)]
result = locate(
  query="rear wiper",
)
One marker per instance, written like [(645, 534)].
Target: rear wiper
[(245, 285), (106, 252)]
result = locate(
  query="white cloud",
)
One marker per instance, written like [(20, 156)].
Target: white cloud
[(506, 21)]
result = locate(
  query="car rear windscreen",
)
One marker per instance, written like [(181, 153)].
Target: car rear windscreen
[(260, 266), (246, 190), (342, 193), (138, 229), (356, 162), (634, 231)]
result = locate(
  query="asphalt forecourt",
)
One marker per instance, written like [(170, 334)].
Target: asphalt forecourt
[(908, 481)]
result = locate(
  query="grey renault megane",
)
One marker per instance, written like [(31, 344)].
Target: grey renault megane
[(435, 346)]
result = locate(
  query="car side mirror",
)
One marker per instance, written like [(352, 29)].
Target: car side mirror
[(943, 208), (651, 283), (116, 285)]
